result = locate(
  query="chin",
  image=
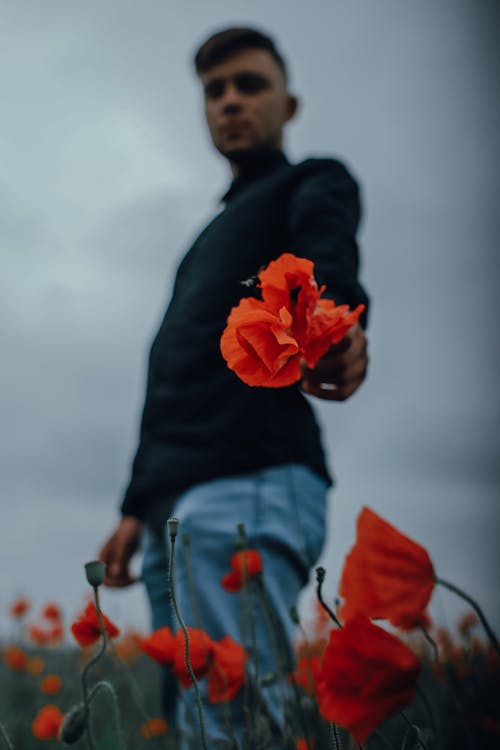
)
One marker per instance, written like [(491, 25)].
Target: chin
[(244, 154)]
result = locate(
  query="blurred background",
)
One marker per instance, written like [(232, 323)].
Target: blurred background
[(107, 176)]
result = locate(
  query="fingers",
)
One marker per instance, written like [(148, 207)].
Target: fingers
[(340, 372), (117, 552)]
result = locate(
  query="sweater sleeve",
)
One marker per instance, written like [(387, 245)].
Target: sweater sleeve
[(323, 218)]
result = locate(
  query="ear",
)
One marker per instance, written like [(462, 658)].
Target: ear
[(292, 107)]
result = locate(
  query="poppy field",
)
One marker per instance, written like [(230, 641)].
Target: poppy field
[(371, 670)]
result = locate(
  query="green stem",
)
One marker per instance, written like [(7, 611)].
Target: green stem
[(430, 640), (427, 705), (320, 577), (334, 736), (108, 688), (186, 636), (88, 666), (5, 737), (475, 605)]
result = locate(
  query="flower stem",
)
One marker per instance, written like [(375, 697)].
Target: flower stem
[(320, 577), (186, 637), (89, 665), (334, 736), (5, 737), (430, 640), (108, 688), (491, 635)]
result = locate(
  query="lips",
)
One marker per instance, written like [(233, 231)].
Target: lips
[(233, 128)]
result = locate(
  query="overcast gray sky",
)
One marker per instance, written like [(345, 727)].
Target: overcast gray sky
[(107, 175)]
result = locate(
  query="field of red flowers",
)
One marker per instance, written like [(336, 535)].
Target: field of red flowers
[(403, 683)]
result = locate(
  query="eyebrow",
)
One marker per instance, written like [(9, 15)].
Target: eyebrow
[(246, 80)]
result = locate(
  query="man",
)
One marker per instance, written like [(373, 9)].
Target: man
[(213, 451)]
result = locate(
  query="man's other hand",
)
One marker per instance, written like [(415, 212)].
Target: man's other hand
[(118, 550), (339, 372)]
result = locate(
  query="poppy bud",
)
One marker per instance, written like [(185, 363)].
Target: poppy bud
[(173, 527), (95, 572), (73, 725)]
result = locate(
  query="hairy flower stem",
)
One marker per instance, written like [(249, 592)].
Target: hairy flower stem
[(5, 737), (430, 640), (186, 637), (491, 635), (413, 728), (108, 688), (427, 705), (88, 667), (320, 577), (334, 736)]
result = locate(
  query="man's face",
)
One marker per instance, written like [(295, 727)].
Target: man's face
[(246, 102)]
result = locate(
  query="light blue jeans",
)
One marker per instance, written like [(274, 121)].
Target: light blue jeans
[(283, 510)]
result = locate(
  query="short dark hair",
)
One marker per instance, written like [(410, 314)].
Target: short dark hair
[(225, 43)]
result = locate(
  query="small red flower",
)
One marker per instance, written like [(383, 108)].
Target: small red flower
[(15, 658), (367, 674), (386, 574), (160, 645), (244, 564), (201, 649), (19, 607), (154, 728), (35, 665), (47, 723), (303, 744), (44, 636), (86, 628), (50, 684), (226, 675), (52, 611)]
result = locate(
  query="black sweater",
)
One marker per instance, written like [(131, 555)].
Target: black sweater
[(200, 421)]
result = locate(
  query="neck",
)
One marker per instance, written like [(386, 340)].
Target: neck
[(248, 163)]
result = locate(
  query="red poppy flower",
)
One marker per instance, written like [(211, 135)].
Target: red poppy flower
[(38, 634), (226, 675), (308, 667), (35, 665), (303, 744), (86, 628), (386, 574), (50, 684), (19, 607), (289, 282), (15, 658), (201, 649), (367, 675), (159, 645), (47, 723), (327, 326), (244, 564), (264, 340), (52, 611), (257, 345), (154, 728)]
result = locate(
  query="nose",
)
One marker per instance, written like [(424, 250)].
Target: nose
[(231, 100)]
